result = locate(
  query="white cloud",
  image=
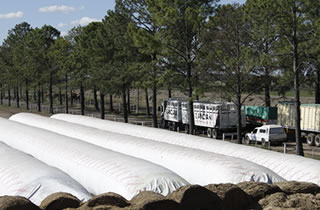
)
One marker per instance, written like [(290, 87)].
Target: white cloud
[(55, 8), (84, 21), (61, 25), (11, 15)]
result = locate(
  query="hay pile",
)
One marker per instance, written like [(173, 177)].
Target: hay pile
[(245, 195)]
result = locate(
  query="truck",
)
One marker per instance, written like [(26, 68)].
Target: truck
[(310, 120), (214, 117)]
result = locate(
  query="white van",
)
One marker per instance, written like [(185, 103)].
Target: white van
[(265, 134)]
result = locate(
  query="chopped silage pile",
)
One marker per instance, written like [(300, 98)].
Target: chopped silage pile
[(246, 195)]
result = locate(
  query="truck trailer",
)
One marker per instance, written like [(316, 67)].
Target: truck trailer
[(261, 115), (310, 120), (214, 117)]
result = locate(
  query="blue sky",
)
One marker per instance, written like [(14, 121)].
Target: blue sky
[(61, 14)]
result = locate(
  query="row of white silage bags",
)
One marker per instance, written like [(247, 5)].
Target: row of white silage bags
[(97, 169), (23, 175), (196, 166), (290, 167)]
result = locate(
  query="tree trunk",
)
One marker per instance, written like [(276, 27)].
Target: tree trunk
[(9, 97), (124, 103), (66, 94), (42, 95), (1, 95), (138, 100), (39, 97), (50, 95), (267, 88), (20, 93), (154, 107), (95, 97), (239, 124), (128, 101), (71, 98), (147, 102), (60, 96), (299, 147), (35, 94), (27, 95), (102, 112), (169, 93), (82, 102), (17, 97), (190, 94), (317, 91), (111, 103)]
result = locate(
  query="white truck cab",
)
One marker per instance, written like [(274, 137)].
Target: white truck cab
[(265, 134)]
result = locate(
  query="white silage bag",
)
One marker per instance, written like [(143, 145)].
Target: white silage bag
[(23, 175), (290, 167), (196, 166), (98, 169)]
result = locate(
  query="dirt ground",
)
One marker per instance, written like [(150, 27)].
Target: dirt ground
[(6, 113)]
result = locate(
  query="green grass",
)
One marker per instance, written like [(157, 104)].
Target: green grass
[(303, 93)]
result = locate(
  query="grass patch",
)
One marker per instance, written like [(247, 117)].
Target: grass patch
[(303, 93)]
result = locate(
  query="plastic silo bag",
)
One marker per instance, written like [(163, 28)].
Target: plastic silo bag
[(99, 170), (290, 167), (196, 166), (23, 175)]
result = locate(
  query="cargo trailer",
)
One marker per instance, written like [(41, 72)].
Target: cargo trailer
[(214, 117), (310, 120)]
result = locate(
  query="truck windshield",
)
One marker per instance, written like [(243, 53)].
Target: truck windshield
[(276, 131)]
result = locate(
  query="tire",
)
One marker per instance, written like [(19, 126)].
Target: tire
[(310, 139), (171, 126), (175, 126), (317, 140), (215, 133), (186, 129), (209, 132), (164, 123), (247, 140)]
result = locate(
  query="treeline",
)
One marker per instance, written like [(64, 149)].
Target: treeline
[(192, 46)]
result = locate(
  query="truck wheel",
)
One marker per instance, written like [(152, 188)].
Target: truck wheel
[(209, 132), (186, 129), (310, 139), (247, 140), (175, 126), (317, 140), (215, 133)]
